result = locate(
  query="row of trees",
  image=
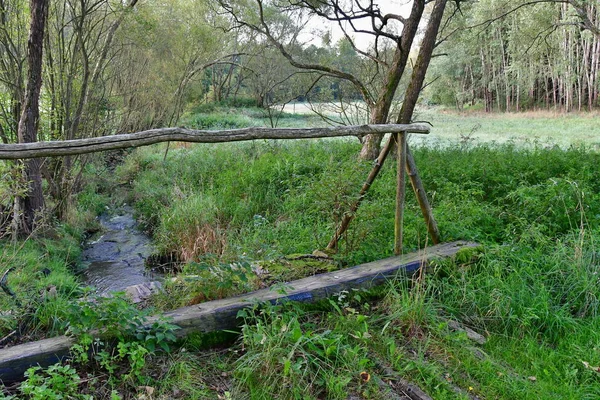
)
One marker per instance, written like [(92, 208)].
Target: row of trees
[(111, 66), (540, 55)]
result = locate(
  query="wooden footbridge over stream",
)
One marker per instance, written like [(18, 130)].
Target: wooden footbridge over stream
[(222, 314)]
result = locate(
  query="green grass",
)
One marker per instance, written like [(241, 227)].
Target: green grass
[(44, 266), (449, 127), (535, 208), (42, 280), (533, 291), (272, 200)]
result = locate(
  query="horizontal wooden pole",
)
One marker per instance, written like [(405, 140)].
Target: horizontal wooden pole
[(152, 136), (219, 315)]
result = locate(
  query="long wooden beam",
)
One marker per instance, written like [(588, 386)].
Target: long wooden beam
[(152, 136), (222, 314)]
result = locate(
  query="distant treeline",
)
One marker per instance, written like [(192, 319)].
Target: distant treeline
[(537, 56)]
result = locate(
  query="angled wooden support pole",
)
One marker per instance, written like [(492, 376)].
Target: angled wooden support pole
[(417, 185), (349, 215)]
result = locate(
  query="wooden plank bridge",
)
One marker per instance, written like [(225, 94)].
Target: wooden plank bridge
[(222, 314)]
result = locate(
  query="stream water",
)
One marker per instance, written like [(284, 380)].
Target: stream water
[(115, 258)]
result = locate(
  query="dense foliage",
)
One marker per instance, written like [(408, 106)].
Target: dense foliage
[(534, 208), (510, 57)]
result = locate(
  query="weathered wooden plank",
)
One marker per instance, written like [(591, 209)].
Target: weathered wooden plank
[(222, 314), (14, 361), (152, 136)]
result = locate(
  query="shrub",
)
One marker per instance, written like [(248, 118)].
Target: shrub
[(218, 121)]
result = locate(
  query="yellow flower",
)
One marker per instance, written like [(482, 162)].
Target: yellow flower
[(365, 376)]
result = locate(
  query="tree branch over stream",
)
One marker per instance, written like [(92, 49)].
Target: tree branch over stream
[(152, 136)]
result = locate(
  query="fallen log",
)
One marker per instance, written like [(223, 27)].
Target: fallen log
[(222, 314), (152, 136)]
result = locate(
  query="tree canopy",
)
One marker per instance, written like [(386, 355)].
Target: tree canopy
[(111, 67)]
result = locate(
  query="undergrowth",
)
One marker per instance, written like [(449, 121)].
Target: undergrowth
[(533, 292), (39, 283), (536, 210)]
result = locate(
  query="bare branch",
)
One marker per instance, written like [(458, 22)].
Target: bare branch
[(264, 29), (396, 17), (152, 136)]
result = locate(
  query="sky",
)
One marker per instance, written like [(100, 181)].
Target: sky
[(363, 41)]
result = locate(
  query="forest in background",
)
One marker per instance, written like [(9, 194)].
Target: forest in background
[(233, 217), (532, 55)]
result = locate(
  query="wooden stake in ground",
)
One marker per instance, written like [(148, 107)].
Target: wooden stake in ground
[(411, 97), (349, 216), (419, 189), (417, 185), (400, 191)]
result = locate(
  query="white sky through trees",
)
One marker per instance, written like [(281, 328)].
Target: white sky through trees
[(363, 41)]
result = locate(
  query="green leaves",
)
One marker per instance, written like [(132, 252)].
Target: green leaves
[(57, 382), (117, 318)]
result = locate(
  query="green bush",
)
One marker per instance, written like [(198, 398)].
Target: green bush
[(219, 121)]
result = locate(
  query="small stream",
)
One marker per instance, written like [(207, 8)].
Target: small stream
[(114, 259)]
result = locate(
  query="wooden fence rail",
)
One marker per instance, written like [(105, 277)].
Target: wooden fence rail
[(152, 136)]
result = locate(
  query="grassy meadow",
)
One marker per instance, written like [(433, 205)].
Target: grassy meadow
[(545, 128), (534, 290), (473, 126), (228, 210)]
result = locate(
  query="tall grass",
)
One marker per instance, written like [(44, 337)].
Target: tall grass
[(287, 198), (40, 273), (536, 210)]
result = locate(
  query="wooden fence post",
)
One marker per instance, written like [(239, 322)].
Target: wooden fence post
[(400, 192), (417, 185)]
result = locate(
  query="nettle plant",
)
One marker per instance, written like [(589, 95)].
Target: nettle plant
[(119, 335)]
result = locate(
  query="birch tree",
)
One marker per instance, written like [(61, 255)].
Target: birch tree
[(523, 55)]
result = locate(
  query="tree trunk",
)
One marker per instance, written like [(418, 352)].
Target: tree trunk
[(381, 109), (408, 107), (33, 201)]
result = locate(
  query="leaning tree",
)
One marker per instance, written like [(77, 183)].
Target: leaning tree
[(386, 30), (353, 18)]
